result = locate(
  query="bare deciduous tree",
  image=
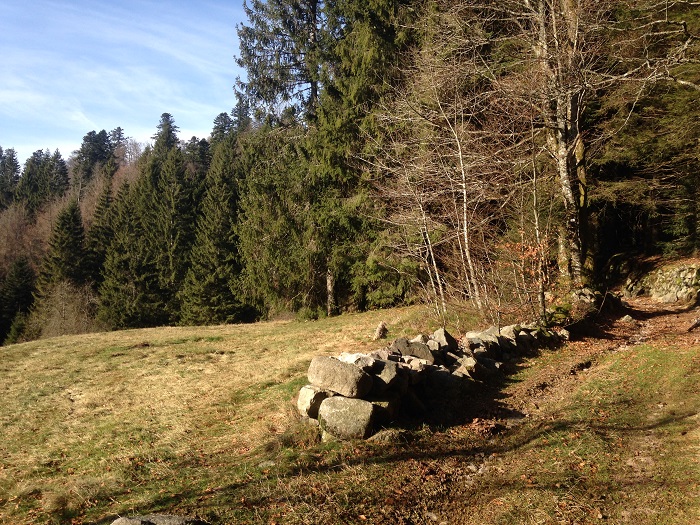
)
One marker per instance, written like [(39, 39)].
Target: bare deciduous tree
[(493, 112)]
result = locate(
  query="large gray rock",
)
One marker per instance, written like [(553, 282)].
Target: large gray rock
[(445, 340), (510, 331), (483, 343), (363, 361), (158, 519), (400, 346), (434, 346), (345, 379), (508, 338), (310, 399), (420, 351), (347, 418), (386, 375), (485, 340)]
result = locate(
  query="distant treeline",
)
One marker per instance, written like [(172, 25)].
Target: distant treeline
[(380, 152)]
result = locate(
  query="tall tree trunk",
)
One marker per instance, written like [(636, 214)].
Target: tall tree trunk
[(331, 306), (556, 49)]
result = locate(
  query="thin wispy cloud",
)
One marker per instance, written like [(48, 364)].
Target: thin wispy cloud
[(71, 67)]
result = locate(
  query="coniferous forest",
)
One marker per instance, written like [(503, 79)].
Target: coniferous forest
[(492, 153)]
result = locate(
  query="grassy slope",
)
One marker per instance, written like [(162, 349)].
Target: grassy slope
[(200, 421), (140, 419)]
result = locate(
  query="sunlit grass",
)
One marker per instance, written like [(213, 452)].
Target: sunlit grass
[(201, 421), (140, 420), (621, 447)]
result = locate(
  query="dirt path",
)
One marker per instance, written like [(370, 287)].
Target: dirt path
[(538, 456), (647, 489), (647, 322)]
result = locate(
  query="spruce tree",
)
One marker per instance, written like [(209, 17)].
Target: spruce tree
[(282, 50), (170, 227), (66, 259), (129, 294), (9, 176), (44, 177), (117, 138), (166, 137), (57, 175), (242, 115), (363, 64), (209, 293), (326, 64), (16, 294), (223, 124), (279, 252), (96, 151), (197, 159), (100, 235)]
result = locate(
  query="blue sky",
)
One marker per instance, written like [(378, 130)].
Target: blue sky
[(68, 68)]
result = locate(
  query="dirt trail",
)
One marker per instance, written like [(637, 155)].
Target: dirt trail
[(545, 387), (646, 322)]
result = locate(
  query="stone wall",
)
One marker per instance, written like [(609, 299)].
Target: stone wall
[(351, 396), (668, 284)]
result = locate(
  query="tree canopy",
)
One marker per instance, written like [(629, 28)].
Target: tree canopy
[(380, 152)]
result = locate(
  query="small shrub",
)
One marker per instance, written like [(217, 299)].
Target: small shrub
[(65, 309), (306, 313)]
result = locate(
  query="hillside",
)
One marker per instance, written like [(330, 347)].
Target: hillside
[(200, 421)]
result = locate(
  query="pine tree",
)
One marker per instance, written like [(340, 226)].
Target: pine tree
[(209, 293), (16, 294)]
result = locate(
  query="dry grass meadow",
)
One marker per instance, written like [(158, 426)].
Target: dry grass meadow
[(201, 422), (113, 423)]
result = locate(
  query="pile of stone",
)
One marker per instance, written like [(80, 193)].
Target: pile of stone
[(353, 395)]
